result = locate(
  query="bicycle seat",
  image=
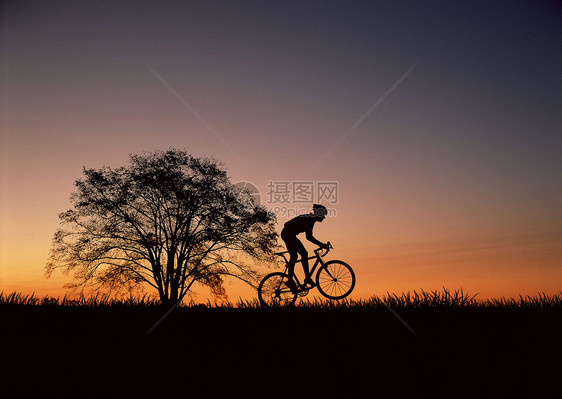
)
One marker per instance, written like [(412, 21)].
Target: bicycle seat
[(281, 253)]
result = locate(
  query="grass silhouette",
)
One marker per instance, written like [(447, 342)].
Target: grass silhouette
[(463, 347), (433, 299)]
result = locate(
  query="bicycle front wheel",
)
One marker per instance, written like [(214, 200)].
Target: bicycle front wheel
[(273, 291), (335, 279)]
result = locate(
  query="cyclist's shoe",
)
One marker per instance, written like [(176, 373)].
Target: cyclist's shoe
[(308, 281), (292, 285)]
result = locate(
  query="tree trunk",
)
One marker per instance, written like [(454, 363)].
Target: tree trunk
[(170, 300), (173, 293)]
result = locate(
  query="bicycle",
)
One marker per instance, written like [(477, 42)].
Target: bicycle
[(335, 280)]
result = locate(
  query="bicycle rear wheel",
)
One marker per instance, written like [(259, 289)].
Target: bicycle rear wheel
[(335, 279), (273, 291)]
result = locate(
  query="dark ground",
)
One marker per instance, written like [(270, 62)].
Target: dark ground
[(343, 353)]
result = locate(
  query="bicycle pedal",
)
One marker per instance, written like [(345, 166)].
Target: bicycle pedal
[(303, 293)]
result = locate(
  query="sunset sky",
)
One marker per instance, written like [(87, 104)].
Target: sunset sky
[(454, 177)]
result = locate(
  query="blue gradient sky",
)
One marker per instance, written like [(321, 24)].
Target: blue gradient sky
[(454, 179)]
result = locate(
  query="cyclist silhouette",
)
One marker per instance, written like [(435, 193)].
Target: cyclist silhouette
[(295, 226)]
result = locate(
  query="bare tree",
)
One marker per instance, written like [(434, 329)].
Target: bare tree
[(167, 219)]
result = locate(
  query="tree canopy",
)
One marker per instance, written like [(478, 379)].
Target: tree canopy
[(167, 220)]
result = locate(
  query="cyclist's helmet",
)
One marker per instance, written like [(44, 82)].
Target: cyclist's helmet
[(319, 210)]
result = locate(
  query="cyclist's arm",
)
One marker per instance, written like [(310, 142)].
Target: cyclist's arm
[(312, 239)]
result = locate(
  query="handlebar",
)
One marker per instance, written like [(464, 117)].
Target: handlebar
[(317, 250)]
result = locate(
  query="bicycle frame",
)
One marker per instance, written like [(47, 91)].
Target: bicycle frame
[(318, 261)]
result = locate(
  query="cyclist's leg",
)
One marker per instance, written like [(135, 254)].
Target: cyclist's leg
[(304, 260), (291, 242), (304, 256)]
